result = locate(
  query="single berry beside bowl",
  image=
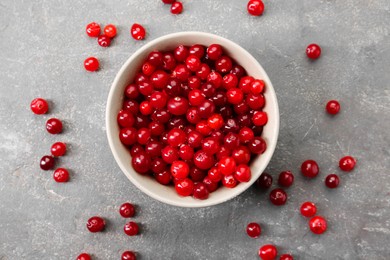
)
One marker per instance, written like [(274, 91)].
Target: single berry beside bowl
[(39, 106), (96, 224)]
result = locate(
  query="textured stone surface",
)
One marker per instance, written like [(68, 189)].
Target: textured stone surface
[(43, 46)]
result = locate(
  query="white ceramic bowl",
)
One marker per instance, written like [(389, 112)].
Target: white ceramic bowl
[(148, 185)]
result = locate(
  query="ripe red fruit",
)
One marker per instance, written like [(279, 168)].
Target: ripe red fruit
[(180, 170), (128, 255), (141, 162), (54, 126), (332, 181), (93, 29), (313, 51), (168, 1), (253, 230), (333, 107), (184, 187), (259, 118), (91, 64), (278, 197), (137, 32), (84, 256), (347, 163), (242, 173), (58, 149), (286, 179), (214, 51), (268, 252), (310, 168), (131, 228), (308, 209), (318, 225), (110, 30), (95, 224), (104, 40), (227, 165), (127, 210), (264, 181), (200, 191), (286, 257), (39, 106), (229, 181), (176, 8), (47, 162), (203, 161), (61, 175), (255, 7), (215, 121)]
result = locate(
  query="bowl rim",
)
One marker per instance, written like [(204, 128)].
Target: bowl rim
[(109, 107)]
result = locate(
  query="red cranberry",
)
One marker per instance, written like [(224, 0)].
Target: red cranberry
[(156, 58), (268, 252), (257, 86), (131, 106), (125, 118), (203, 71), (264, 181), (91, 64), (110, 30), (245, 84), (54, 126), (176, 8), (206, 109), (210, 145), (210, 185), (197, 174), (308, 209), (156, 129), (137, 31), (177, 106), (278, 197), (332, 181), (196, 97), (197, 50), (180, 170), (169, 154), (257, 130), (194, 82), (168, 1), (208, 89), (93, 29), (58, 149), (214, 51), (145, 108), (347, 163), (229, 181), (181, 53), (255, 7), (224, 152), (169, 62), (231, 141), (141, 162), (95, 224), (202, 160), (153, 148), (128, 136), (234, 96), (257, 145), (104, 40), (161, 116), (47, 162), (246, 135), (164, 177), (230, 126), (148, 69), (255, 101), (310, 168), (242, 108), (238, 70), (127, 210), (200, 191), (313, 51), (333, 107), (193, 115), (194, 139), (131, 91), (226, 112), (131, 228), (229, 81), (215, 121), (193, 63), (143, 135), (39, 106), (318, 225), (242, 173), (184, 187), (215, 78), (286, 257), (214, 174), (241, 155), (286, 179), (224, 64), (128, 255), (259, 118), (158, 165), (159, 79), (176, 137), (84, 256), (227, 165), (136, 148), (253, 230), (61, 175)]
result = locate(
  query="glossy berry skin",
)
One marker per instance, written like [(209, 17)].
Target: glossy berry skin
[(178, 106), (84, 256), (163, 178), (257, 86), (128, 255), (246, 135), (242, 173), (93, 29), (318, 225), (110, 30), (257, 145), (125, 118), (215, 121), (61, 175), (202, 160), (313, 51), (259, 118), (200, 191), (308, 209), (54, 126), (39, 106), (278, 197), (95, 224), (104, 40), (255, 7), (286, 179), (214, 51), (131, 228), (310, 168), (268, 252), (47, 162), (333, 107), (234, 96), (332, 181), (286, 257), (241, 155), (229, 181), (227, 165), (176, 137), (141, 162), (168, 1), (169, 154), (347, 163), (91, 64), (264, 181), (253, 230), (180, 170), (127, 210), (137, 32), (184, 187), (58, 149), (176, 8)]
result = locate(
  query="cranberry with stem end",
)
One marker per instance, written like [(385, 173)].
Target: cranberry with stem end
[(309, 168), (95, 224), (93, 29), (61, 175), (202, 160), (39, 106), (131, 228), (347, 163), (308, 209), (313, 51), (332, 181), (177, 106), (169, 154), (255, 7), (84, 256), (318, 225), (200, 191), (58, 149), (128, 255), (47, 162), (229, 181), (333, 107), (127, 210), (180, 170), (264, 181), (137, 31), (176, 8), (286, 179), (253, 230), (110, 30), (104, 40), (286, 257), (184, 187), (54, 126), (268, 252), (278, 197)]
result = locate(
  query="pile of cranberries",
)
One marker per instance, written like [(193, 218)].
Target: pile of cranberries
[(192, 117)]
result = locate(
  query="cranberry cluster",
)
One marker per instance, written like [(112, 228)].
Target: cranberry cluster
[(193, 117)]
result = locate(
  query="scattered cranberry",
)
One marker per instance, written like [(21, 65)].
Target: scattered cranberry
[(184, 187), (58, 149), (333, 107), (54, 126), (128, 255), (332, 181), (264, 181), (308, 209), (268, 252), (257, 145), (168, 1), (286, 179), (347, 163), (310, 168), (104, 40), (177, 8), (93, 29), (39, 106), (61, 175), (138, 31), (47, 162), (286, 257), (253, 230), (110, 30), (131, 228), (255, 7), (91, 64), (96, 224), (127, 210), (317, 225), (278, 197), (313, 51), (84, 256)]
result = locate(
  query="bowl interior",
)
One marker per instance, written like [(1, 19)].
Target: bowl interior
[(148, 185)]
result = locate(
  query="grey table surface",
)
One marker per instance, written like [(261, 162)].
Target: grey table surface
[(42, 50)]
